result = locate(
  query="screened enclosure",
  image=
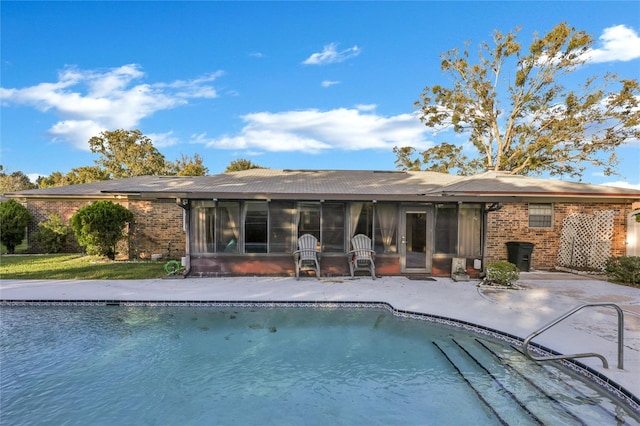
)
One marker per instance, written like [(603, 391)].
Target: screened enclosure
[(273, 227)]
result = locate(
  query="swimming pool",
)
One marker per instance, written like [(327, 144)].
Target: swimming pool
[(256, 365)]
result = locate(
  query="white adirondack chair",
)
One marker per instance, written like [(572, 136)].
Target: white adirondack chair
[(307, 257), (362, 256)]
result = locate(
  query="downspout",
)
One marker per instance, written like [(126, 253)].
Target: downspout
[(494, 207), (184, 204)]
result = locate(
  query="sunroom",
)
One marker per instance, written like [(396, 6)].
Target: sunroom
[(243, 237)]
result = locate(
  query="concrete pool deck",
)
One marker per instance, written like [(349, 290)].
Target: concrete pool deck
[(546, 296)]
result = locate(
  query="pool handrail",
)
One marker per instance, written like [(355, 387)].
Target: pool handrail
[(605, 364)]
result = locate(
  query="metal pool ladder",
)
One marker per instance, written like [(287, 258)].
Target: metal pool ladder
[(605, 364)]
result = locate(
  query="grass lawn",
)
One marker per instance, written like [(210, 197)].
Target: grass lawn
[(75, 267), (20, 248)]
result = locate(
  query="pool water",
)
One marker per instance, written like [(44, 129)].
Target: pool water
[(244, 366)]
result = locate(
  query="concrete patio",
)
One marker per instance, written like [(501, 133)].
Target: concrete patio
[(546, 295)]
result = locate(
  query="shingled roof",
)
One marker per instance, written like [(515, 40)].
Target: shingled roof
[(335, 184)]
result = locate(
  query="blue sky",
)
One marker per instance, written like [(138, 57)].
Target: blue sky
[(320, 85)]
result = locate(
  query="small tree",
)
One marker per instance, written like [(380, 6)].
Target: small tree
[(99, 226), (52, 234), (14, 218)]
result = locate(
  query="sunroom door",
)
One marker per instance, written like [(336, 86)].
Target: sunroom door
[(416, 239)]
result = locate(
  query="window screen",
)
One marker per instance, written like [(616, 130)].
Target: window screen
[(203, 215), (309, 219), (333, 227), (540, 215), (282, 220), (446, 229), (255, 227), (228, 227), (470, 230)]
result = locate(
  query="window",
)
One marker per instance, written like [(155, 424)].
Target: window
[(362, 219), (203, 215), (333, 227), (268, 227), (281, 219), (446, 229), (228, 227), (540, 215), (309, 219), (255, 227), (470, 230), (384, 233)]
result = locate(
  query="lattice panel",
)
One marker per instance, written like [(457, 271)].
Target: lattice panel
[(586, 240)]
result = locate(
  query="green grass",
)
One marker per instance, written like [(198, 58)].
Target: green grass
[(20, 248), (75, 267)]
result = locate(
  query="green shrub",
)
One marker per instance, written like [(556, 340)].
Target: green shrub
[(52, 234), (625, 269), (14, 218), (501, 273), (99, 226)]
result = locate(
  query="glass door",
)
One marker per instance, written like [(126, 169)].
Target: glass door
[(415, 239)]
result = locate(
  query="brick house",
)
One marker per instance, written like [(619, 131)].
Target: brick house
[(247, 223)]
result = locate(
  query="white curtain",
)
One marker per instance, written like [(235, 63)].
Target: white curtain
[(228, 231), (198, 231), (202, 230), (387, 216), (354, 216), (469, 230)]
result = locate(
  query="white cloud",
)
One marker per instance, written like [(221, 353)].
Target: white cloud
[(314, 131), (88, 101), (330, 55), (366, 107), (619, 43), (33, 177), (161, 140), (329, 83), (622, 184), (79, 131)]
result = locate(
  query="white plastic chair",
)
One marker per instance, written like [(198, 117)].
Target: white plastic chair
[(362, 256), (307, 257)]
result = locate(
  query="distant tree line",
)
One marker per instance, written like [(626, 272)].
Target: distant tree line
[(121, 154)]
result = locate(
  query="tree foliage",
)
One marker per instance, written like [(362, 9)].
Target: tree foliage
[(99, 226), (16, 181), (127, 153), (240, 165), (187, 166), (14, 218), (522, 119), (76, 176)]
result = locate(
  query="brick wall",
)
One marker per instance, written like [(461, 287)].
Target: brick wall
[(41, 209), (511, 224), (157, 228)]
